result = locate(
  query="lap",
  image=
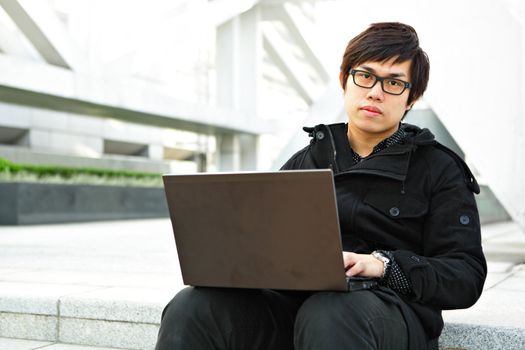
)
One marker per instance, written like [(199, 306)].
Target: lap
[(360, 304), (232, 302), (221, 318), (355, 320)]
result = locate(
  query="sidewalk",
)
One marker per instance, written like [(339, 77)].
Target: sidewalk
[(100, 284), (105, 284)]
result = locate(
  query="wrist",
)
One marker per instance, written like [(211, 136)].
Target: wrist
[(386, 263)]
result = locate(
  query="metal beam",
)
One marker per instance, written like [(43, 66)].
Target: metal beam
[(43, 29), (277, 50), (284, 14), (44, 86), (12, 42)]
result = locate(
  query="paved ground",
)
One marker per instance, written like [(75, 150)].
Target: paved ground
[(21, 344), (104, 284)]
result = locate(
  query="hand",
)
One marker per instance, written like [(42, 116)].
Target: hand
[(362, 265)]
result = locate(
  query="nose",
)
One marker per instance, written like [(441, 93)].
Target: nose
[(376, 93)]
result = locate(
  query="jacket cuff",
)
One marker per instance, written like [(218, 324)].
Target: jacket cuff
[(396, 280)]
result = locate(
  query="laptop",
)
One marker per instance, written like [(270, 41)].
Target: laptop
[(274, 230)]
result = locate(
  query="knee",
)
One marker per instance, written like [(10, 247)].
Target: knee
[(185, 320), (360, 320), (329, 311), (200, 304), (318, 312), (174, 310), (190, 304)]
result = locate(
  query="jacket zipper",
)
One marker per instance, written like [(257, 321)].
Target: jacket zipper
[(332, 141)]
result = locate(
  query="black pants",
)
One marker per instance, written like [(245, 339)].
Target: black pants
[(215, 318)]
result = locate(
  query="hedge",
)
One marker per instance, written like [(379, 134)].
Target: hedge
[(43, 171)]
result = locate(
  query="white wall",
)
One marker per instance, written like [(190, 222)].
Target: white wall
[(480, 46), (476, 50)]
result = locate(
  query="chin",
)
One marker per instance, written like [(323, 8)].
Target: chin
[(374, 128), (372, 125)]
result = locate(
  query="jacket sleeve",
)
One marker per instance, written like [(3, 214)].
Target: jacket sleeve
[(451, 269)]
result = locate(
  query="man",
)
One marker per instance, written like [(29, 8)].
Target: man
[(407, 217)]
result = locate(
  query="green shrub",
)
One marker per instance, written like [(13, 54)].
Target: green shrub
[(13, 171), (4, 165)]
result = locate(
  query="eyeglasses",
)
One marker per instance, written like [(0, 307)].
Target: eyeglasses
[(368, 80)]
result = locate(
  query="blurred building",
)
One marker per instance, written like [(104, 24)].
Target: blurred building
[(219, 85)]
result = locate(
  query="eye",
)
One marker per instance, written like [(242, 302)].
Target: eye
[(364, 75), (395, 83)]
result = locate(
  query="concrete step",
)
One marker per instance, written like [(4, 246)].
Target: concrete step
[(24, 344), (105, 285), (129, 317), (458, 336), (116, 317), (496, 321)]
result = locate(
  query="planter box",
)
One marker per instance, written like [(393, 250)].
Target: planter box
[(34, 203)]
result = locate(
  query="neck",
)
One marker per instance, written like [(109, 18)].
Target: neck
[(363, 143)]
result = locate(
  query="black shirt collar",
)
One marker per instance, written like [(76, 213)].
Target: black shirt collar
[(396, 138)]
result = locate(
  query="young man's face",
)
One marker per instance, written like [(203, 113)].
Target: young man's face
[(373, 112)]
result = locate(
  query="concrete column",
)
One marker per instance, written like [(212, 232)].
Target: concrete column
[(155, 151), (248, 148), (519, 119), (229, 152), (238, 60), (226, 62), (201, 162), (250, 52)]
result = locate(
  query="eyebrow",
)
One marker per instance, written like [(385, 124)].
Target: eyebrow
[(392, 75)]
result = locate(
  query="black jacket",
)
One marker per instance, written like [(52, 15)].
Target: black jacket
[(416, 200)]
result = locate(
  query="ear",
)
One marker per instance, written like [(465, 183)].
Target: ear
[(409, 107), (341, 76)]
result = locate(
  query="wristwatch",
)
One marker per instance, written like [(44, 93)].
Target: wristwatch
[(386, 262)]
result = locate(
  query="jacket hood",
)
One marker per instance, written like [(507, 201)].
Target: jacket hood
[(325, 151), (418, 136), (415, 134)]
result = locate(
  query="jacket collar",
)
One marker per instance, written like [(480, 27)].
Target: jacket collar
[(330, 149), (392, 162)]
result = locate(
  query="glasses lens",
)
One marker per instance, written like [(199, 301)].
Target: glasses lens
[(394, 86), (364, 79)]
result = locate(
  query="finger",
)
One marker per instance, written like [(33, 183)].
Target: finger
[(356, 269), (349, 259)]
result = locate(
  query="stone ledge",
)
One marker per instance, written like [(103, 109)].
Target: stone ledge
[(34, 203), (101, 322), (135, 305), (479, 337), (28, 326), (129, 335)]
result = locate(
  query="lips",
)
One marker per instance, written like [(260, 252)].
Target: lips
[(372, 110)]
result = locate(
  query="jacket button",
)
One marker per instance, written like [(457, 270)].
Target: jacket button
[(319, 135), (464, 219), (394, 211)]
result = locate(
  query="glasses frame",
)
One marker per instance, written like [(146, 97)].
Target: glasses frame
[(406, 85)]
